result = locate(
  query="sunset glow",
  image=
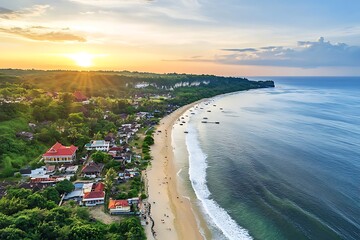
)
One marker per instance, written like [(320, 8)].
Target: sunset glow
[(82, 59), (187, 36)]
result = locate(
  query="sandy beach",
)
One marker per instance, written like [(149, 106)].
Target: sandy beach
[(171, 213)]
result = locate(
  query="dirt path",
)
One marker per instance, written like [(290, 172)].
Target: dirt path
[(98, 213)]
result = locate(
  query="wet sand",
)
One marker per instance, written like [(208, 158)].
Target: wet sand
[(171, 213)]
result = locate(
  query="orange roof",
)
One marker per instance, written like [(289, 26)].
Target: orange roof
[(99, 187), (90, 195), (79, 96), (59, 150), (114, 203)]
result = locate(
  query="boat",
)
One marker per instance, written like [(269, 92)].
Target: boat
[(217, 122), (208, 110), (186, 132), (181, 124), (204, 121), (193, 113)]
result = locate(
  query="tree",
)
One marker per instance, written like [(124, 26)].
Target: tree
[(149, 140), (51, 194), (82, 213), (36, 200), (11, 206), (97, 136), (100, 157), (76, 117), (109, 179), (10, 233), (73, 134), (86, 232), (64, 186), (5, 221)]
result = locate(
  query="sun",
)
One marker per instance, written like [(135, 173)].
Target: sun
[(83, 59)]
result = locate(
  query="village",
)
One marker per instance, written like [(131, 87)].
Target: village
[(123, 153)]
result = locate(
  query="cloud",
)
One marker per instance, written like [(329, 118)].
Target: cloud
[(239, 49), (40, 33), (20, 23), (36, 10), (186, 10), (307, 54)]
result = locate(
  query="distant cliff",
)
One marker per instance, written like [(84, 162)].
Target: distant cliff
[(127, 84)]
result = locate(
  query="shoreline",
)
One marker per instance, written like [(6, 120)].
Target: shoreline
[(172, 214)]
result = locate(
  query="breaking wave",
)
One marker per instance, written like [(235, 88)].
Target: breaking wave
[(216, 215)]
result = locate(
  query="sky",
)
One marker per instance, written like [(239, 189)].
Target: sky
[(228, 37)]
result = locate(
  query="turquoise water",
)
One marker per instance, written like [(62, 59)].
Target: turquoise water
[(283, 163)]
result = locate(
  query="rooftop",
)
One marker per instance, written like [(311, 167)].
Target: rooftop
[(90, 195), (60, 150), (117, 203)]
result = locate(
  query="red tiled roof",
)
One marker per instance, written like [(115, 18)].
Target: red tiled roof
[(79, 96), (59, 150), (98, 187), (90, 195), (114, 203), (116, 149)]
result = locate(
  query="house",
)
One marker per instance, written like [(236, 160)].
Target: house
[(91, 199), (119, 206), (79, 97), (72, 169), (92, 170), (93, 196), (50, 169), (25, 172), (28, 136), (76, 195), (60, 154), (110, 138), (87, 193), (98, 145)]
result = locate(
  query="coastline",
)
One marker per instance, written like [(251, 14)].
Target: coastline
[(172, 213)]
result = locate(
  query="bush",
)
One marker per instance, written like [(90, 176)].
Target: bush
[(64, 186)]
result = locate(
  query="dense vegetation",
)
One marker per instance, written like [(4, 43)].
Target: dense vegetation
[(35, 215), (125, 84), (28, 96)]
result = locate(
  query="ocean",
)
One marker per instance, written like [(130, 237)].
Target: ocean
[(283, 162)]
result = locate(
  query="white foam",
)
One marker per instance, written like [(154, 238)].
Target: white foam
[(197, 170)]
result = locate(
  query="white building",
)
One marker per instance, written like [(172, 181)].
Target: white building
[(98, 145)]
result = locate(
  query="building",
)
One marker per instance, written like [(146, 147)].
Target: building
[(91, 199), (60, 154), (119, 206), (94, 196), (98, 145), (92, 170), (79, 97)]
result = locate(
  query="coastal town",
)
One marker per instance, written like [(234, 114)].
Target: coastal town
[(106, 174), (102, 159)]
